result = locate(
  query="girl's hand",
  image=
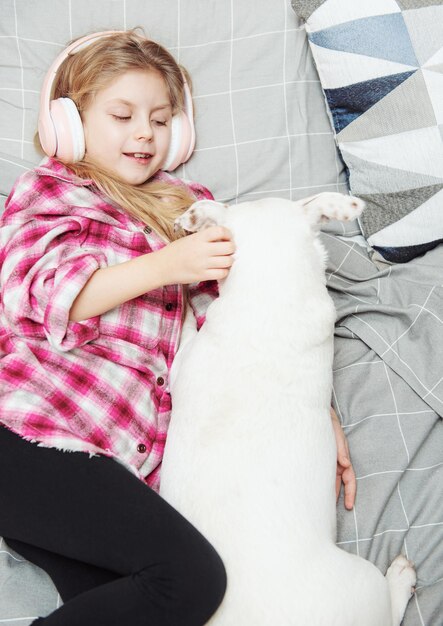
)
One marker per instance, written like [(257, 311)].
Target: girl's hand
[(345, 471), (205, 255)]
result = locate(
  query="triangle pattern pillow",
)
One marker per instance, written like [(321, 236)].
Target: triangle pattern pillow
[(380, 64)]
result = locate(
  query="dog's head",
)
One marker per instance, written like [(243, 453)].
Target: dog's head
[(314, 209), (272, 222), (276, 239)]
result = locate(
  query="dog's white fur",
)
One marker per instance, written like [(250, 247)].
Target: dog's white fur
[(250, 457)]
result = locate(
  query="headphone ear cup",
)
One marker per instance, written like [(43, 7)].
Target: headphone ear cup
[(182, 142), (68, 127), (172, 159)]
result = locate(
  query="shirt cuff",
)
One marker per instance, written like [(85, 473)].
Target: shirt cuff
[(200, 297), (62, 333)]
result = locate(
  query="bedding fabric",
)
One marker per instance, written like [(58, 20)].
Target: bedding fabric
[(388, 393), (381, 67)]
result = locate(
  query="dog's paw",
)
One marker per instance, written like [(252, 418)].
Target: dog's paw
[(401, 578), (202, 214), (333, 206), (401, 575)]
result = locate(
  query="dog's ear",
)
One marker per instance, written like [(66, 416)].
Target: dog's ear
[(331, 206), (202, 214)]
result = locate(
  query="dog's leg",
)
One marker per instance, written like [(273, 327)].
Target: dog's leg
[(401, 579), (331, 206), (202, 214)]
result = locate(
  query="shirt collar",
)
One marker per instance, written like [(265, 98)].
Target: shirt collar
[(52, 167)]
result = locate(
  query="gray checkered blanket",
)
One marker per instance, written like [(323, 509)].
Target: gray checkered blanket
[(388, 392)]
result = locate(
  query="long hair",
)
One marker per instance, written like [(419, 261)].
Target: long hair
[(92, 68)]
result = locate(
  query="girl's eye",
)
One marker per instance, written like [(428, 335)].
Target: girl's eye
[(160, 123), (122, 118)]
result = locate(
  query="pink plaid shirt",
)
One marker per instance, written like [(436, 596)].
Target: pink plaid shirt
[(100, 385)]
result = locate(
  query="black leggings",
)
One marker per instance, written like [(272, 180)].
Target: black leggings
[(116, 551)]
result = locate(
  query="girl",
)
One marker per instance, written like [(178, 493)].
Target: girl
[(92, 303)]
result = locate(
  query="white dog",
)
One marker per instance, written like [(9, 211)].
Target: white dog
[(250, 457)]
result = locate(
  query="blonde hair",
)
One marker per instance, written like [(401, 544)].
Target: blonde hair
[(92, 68)]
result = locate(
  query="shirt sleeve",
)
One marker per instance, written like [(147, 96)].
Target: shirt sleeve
[(200, 192), (200, 297), (44, 268)]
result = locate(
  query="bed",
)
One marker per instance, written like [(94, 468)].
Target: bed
[(273, 119)]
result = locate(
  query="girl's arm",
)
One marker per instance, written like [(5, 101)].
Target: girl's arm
[(206, 255), (111, 286)]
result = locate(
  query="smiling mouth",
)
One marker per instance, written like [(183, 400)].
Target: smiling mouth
[(139, 157)]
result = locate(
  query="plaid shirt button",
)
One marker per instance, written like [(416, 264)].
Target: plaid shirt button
[(169, 306), (160, 381), (147, 230), (141, 448)]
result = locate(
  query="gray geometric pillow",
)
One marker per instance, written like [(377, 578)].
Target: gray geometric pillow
[(380, 63)]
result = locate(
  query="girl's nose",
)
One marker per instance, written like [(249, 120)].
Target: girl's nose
[(144, 131)]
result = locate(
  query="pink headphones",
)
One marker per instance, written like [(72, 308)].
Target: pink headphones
[(60, 127)]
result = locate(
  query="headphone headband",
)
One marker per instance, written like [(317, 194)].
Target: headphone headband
[(61, 130)]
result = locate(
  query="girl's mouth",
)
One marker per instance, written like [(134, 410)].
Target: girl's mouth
[(142, 158)]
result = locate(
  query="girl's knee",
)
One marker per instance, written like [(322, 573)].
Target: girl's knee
[(190, 584), (201, 576), (210, 579)]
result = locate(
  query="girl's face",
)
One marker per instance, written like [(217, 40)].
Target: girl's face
[(128, 126)]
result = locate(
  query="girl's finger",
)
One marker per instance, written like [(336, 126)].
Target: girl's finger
[(341, 445), (216, 274), (350, 486), (217, 262), (343, 459), (337, 486), (219, 248), (217, 233)]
